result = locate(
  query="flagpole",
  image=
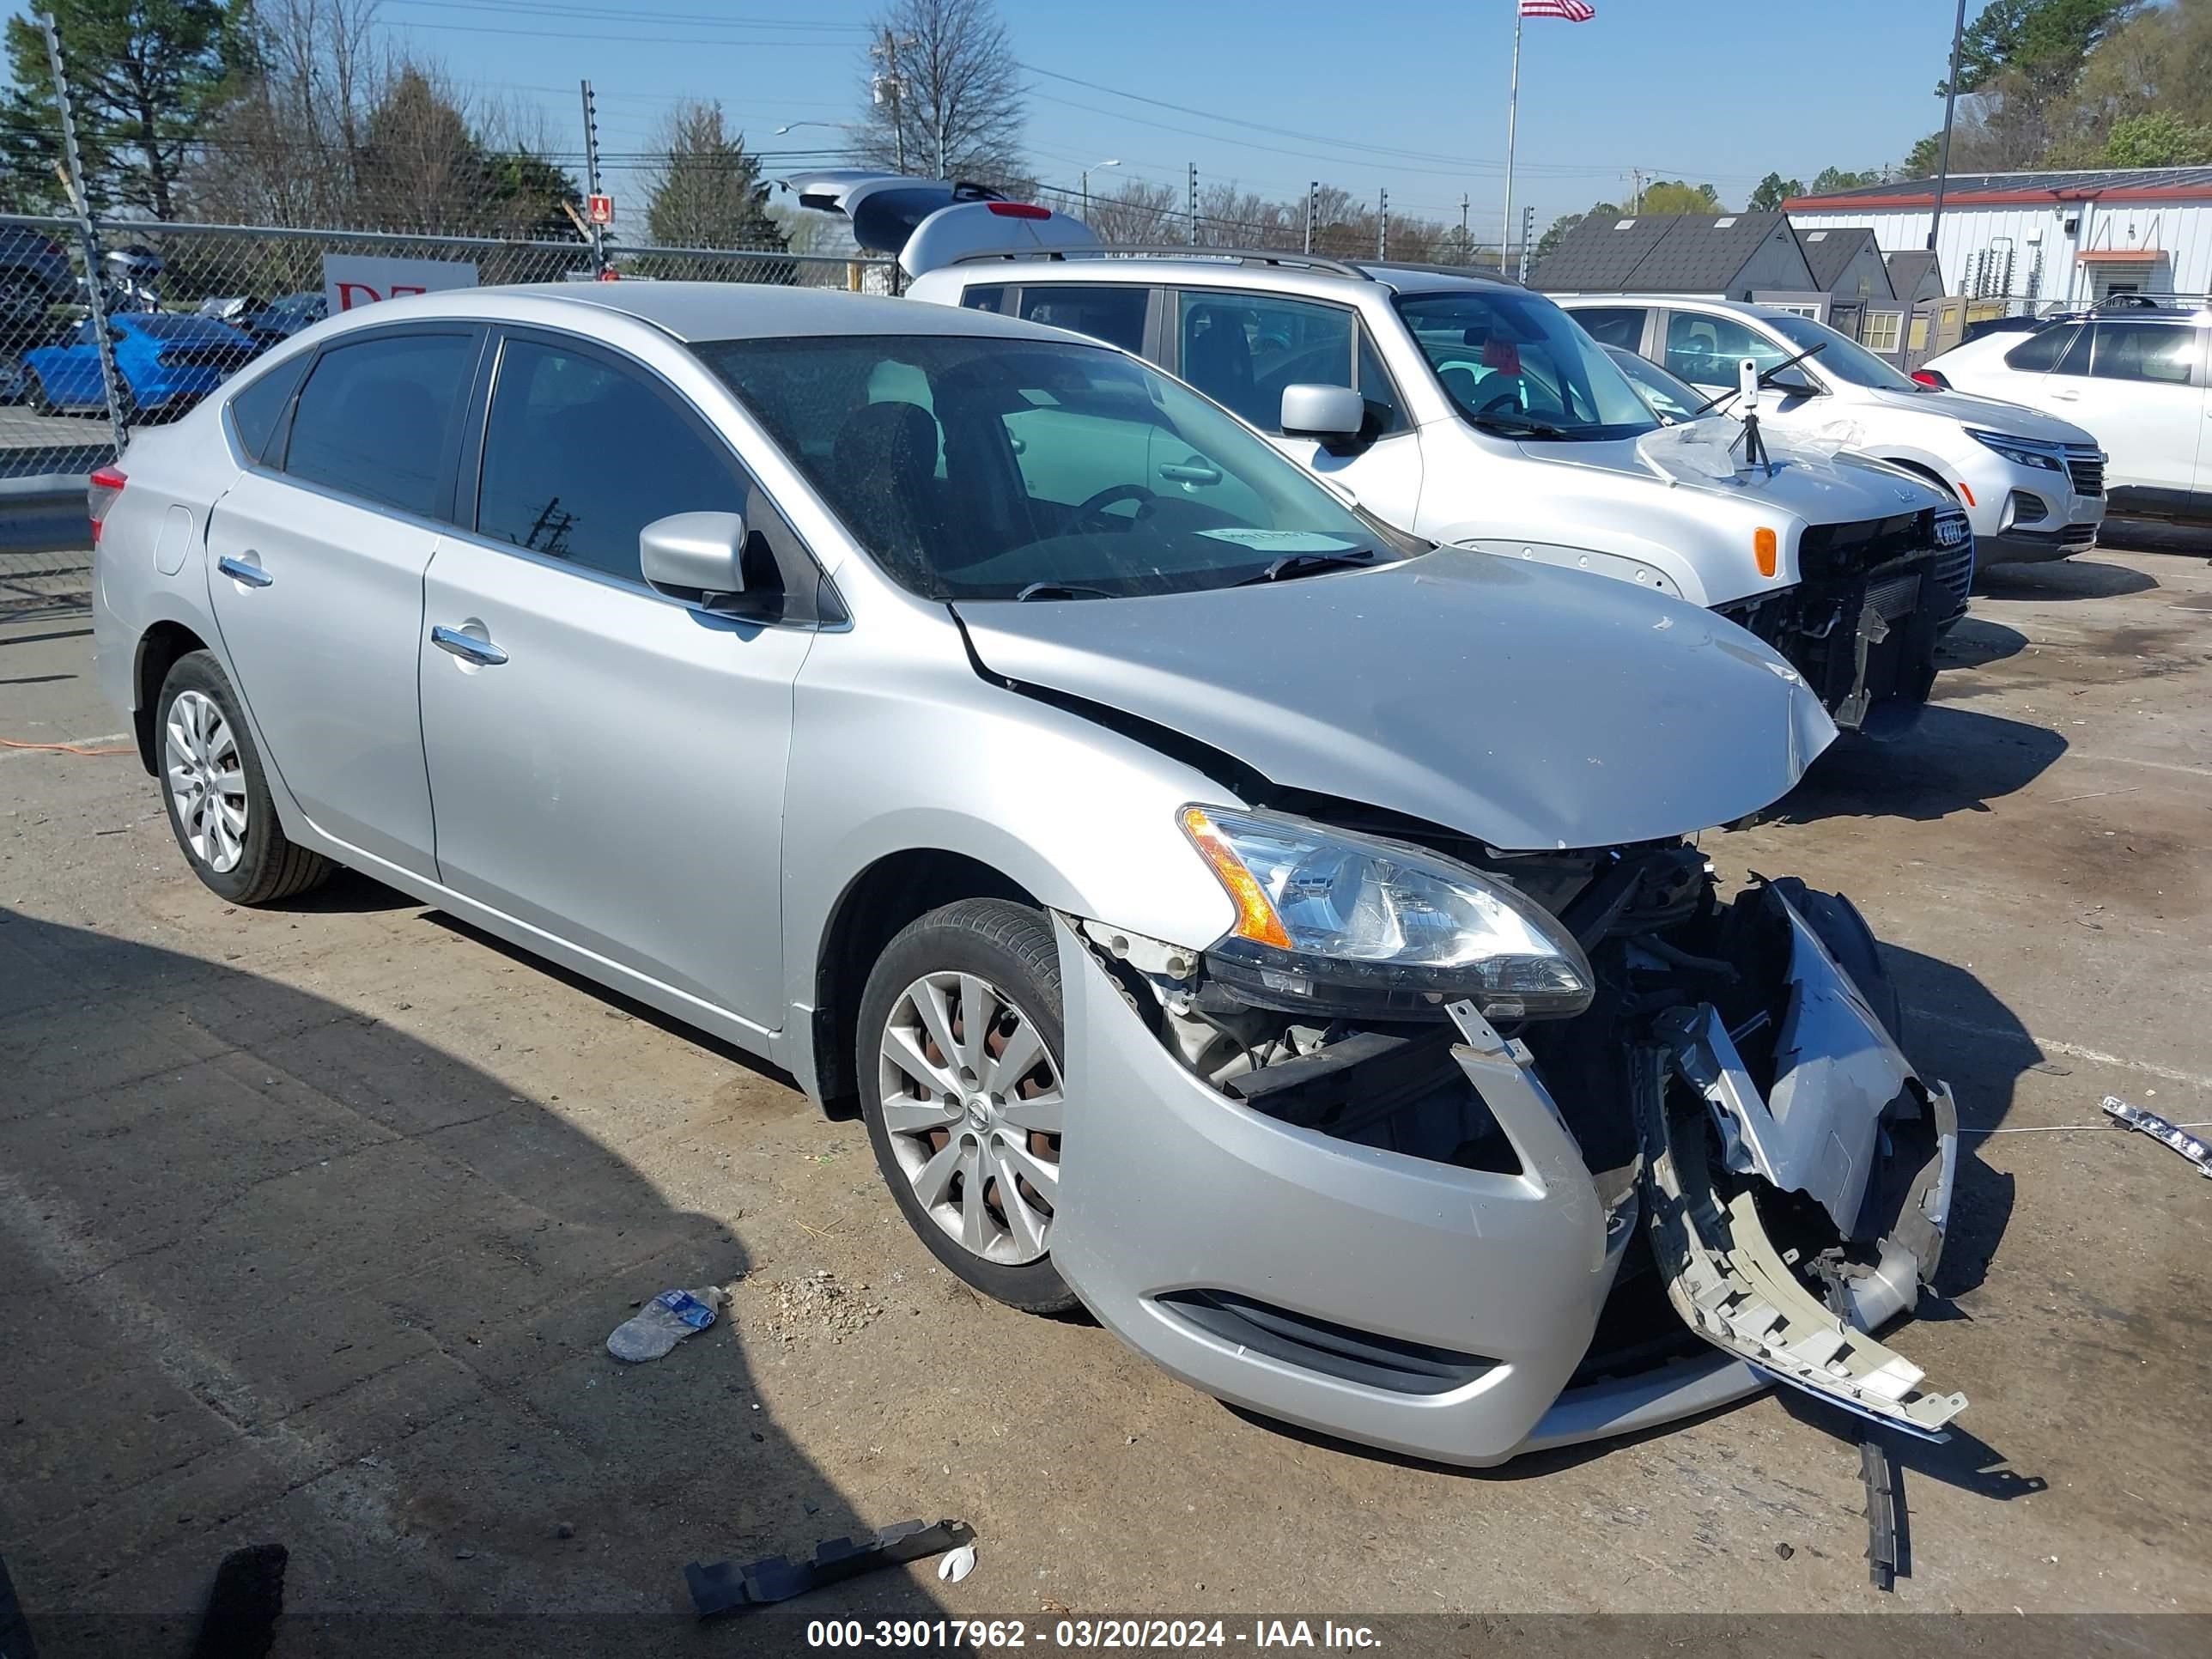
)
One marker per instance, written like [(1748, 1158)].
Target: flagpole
[(1512, 121)]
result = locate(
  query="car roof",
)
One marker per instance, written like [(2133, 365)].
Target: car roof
[(710, 311), (1680, 301), (1225, 268)]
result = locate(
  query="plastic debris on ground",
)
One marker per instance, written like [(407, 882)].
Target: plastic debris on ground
[(2158, 1129), (958, 1564), (665, 1321), (725, 1587)]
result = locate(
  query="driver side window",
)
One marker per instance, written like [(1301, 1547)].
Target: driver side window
[(1705, 350), (1241, 349)]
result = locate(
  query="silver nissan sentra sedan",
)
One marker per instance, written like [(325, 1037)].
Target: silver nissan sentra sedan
[(1284, 939)]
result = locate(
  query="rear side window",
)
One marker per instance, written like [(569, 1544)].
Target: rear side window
[(380, 418), (2040, 351), (580, 455), (2161, 353), (1614, 325), (992, 298), (257, 408), (1115, 315)]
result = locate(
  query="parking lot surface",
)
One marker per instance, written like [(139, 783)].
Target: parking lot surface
[(313, 1221)]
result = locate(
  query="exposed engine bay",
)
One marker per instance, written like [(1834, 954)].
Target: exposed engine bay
[(1862, 625), (1733, 1085)]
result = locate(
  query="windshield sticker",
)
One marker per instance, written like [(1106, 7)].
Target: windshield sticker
[(1283, 541)]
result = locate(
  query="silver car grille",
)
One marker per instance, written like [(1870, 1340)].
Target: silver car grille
[(2085, 465)]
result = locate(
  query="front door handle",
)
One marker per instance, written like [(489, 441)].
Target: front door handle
[(2067, 397), (239, 571), (467, 647)]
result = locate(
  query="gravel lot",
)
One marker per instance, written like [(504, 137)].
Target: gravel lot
[(313, 1222)]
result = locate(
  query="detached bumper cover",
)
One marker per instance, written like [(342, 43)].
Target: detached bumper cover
[(1428, 1309)]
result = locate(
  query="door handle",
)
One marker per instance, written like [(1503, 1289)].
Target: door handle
[(238, 571), (2067, 397), (1192, 472), (467, 647)]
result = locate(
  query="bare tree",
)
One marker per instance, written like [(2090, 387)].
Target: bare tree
[(944, 92), (1135, 214)]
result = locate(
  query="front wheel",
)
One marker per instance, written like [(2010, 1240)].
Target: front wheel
[(959, 1051), (218, 794)]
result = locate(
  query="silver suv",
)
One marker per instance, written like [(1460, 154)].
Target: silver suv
[(1284, 939)]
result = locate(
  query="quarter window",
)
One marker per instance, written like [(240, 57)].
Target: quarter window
[(255, 411), (380, 418), (992, 298), (1115, 315), (2158, 352), (580, 455), (1614, 325), (1706, 350)]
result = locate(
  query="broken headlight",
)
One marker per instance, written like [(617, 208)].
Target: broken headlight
[(1335, 922)]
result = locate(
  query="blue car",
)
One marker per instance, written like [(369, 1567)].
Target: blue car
[(168, 361)]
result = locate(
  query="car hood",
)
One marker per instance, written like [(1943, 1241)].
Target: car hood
[(1990, 414), (1531, 707), (1810, 479)]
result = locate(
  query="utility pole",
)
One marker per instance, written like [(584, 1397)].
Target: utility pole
[(1950, 105), (1383, 227), (1313, 211), (73, 175), (1192, 236), (592, 179), (1466, 247), (1528, 236), (1635, 184), (887, 90), (1512, 120)]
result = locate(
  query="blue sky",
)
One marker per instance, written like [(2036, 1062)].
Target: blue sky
[(1720, 90)]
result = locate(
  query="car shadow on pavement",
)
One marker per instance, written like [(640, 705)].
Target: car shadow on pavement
[(2081, 577), (1954, 760), (271, 1269), (2148, 536), (1977, 642)]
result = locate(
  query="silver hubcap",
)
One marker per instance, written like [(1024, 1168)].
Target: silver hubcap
[(972, 1101), (206, 780)]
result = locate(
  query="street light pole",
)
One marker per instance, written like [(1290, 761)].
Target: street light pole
[(1115, 162), (1950, 104)]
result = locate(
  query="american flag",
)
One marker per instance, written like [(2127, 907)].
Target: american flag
[(1575, 11)]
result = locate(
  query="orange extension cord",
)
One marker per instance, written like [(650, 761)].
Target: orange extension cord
[(66, 748)]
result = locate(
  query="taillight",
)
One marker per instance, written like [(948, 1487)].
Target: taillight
[(106, 486), (1019, 211), (1932, 379)]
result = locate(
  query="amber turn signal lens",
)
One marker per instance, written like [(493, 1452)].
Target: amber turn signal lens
[(1255, 917), (1763, 543)]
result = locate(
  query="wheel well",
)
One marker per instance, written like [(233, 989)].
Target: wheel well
[(887, 896), (1927, 472), (159, 647)]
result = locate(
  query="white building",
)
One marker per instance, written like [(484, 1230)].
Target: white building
[(2044, 240)]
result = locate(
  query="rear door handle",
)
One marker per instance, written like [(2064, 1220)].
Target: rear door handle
[(239, 571), (2067, 397), (467, 647)]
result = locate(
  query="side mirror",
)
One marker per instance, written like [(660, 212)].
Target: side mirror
[(697, 557), (1334, 414), (1791, 382)]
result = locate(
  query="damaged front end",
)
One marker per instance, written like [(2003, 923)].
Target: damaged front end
[(1465, 1227), (1861, 626)]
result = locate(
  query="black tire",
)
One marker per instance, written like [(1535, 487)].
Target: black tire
[(1011, 947), (270, 868), (1837, 923), (40, 402)]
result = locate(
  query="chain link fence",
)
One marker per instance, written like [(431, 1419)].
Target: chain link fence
[(188, 306)]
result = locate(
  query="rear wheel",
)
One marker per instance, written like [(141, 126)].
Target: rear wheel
[(41, 402), (218, 794), (960, 1044)]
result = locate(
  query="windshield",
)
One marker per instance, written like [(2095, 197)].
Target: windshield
[(975, 468), (1845, 359), (1670, 399), (1515, 362)]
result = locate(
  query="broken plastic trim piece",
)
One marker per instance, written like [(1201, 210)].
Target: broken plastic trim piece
[(1731, 1285), (2158, 1129), (725, 1587)]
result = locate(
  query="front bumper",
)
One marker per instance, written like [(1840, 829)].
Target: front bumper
[(1434, 1310), (2027, 515)]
